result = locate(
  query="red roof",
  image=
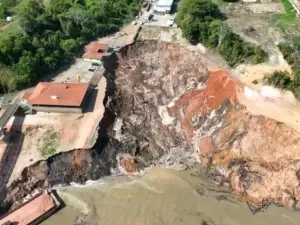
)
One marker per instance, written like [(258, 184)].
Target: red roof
[(58, 94), (95, 50), (25, 95)]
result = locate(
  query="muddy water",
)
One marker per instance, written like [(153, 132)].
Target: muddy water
[(161, 197)]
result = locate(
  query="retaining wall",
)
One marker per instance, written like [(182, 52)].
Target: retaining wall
[(57, 109)]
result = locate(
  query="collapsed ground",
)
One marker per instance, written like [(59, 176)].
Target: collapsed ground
[(172, 109), (173, 105), (176, 105)]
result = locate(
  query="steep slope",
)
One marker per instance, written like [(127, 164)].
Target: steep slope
[(182, 107), (167, 105)]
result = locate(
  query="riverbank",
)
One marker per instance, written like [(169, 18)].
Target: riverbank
[(160, 197)]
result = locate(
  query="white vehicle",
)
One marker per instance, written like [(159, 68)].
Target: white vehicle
[(92, 68), (171, 22)]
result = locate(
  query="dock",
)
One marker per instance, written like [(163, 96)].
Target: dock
[(34, 211)]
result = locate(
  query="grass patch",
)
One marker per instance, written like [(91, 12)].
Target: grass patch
[(290, 12), (287, 22), (50, 145), (19, 6), (10, 28), (284, 20)]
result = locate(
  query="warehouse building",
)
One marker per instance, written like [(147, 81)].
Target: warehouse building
[(163, 6)]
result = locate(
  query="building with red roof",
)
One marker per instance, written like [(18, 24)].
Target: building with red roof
[(94, 51), (58, 97)]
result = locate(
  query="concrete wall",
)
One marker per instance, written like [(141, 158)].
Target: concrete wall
[(97, 76), (249, 1), (57, 109), (92, 60)]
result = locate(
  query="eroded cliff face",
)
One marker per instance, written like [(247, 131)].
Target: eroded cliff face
[(184, 108), (166, 105)]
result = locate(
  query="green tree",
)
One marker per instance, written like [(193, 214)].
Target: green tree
[(70, 46), (52, 36), (6, 80), (201, 20)]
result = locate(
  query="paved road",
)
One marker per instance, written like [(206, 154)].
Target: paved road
[(9, 112)]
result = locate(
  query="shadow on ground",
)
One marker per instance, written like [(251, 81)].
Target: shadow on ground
[(14, 142), (90, 104)]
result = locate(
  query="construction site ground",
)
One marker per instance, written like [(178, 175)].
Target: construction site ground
[(38, 136), (44, 134)]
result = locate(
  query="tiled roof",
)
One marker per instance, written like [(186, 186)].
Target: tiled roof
[(58, 94), (95, 50), (25, 95)]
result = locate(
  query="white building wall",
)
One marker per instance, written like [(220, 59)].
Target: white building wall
[(92, 60)]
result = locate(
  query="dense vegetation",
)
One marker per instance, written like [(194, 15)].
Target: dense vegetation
[(201, 21), (5, 7), (281, 79), (51, 36)]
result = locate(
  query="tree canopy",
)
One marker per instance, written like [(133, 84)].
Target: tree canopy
[(51, 36), (201, 21)]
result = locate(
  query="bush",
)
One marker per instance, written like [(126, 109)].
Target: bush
[(280, 79), (201, 21)]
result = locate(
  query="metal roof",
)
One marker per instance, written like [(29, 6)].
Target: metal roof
[(162, 8), (95, 50), (58, 94), (164, 3)]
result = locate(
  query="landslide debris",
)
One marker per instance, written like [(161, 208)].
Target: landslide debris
[(165, 105), (172, 103)]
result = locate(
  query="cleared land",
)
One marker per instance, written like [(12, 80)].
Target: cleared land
[(45, 134)]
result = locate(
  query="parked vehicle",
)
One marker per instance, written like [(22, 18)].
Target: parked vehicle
[(171, 22), (92, 68)]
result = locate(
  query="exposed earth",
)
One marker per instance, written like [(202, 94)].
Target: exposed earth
[(168, 103)]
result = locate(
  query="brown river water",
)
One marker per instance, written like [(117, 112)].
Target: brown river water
[(161, 197)]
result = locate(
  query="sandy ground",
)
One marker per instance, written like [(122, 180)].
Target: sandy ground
[(73, 131), (283, 109), (249, 73), (160, 20), (124, 37), (91, 120)]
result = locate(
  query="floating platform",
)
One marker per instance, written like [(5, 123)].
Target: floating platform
[(34, 211)]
